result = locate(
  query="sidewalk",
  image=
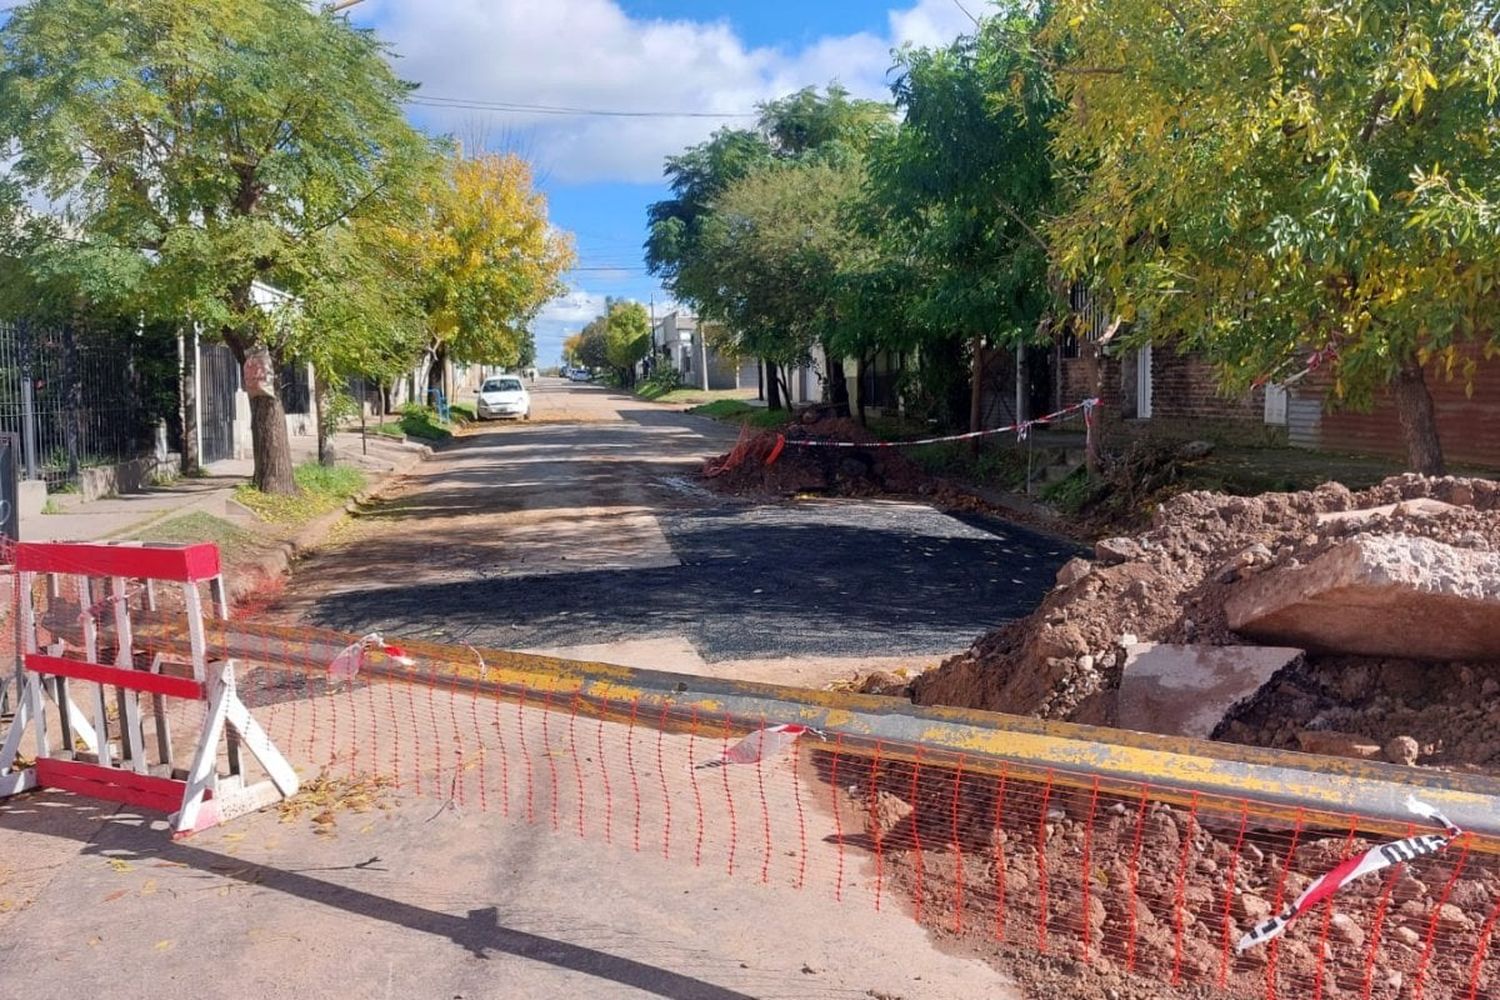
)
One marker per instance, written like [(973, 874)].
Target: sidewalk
[(111, 517)]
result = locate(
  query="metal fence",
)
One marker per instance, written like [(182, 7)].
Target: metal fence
[(86, 396)]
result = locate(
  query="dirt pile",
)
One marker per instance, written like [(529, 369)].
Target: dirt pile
[(1169, 584), (772, 463)]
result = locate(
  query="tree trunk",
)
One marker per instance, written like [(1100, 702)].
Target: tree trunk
[(1424, 451), (270, 444), (272, 447), (188, 394), (859, 375), (326, 455), (773, 388), (838, 386), (976, 391), (435, 374)]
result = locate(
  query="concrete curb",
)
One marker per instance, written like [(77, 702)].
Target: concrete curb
[(254, 575)]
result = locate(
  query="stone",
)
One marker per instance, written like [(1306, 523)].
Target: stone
[(1403, 750), (1195, 450), (888, 813), (1450, 918), (1330, 743), (1345, 929), (1188, 690), (1251, 907), (1418, 507), (1408, 936), (883, 682), (1378, 595), (1074, 570), (1113, 551)]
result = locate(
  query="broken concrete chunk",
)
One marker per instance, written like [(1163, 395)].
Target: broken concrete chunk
[(1113, 551), (1379, 595), (1188, 690), (1418, 507), (1073, 570)]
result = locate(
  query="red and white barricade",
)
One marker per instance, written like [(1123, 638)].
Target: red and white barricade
[(79, 598)]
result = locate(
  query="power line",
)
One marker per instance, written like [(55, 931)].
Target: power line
[(513, 107)]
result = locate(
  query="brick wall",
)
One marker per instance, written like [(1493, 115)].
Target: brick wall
[(1184, 387), (1468, 424)]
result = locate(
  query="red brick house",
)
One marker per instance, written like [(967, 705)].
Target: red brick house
[(1178, 393)]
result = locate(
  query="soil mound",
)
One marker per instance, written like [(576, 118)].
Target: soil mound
[(778, 463), (1169, 584)]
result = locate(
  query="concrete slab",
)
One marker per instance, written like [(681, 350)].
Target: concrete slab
[(1379, 595), (1417, 507), (1188, 690)]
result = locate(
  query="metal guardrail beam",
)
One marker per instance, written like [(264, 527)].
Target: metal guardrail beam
[(1274, 785)]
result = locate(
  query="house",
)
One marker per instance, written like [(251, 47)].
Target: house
[(1158, 388), (681, 342)]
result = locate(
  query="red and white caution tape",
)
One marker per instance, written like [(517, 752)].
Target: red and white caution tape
[(1022, 431), (1371, 861), (351, 659), (760, 745)]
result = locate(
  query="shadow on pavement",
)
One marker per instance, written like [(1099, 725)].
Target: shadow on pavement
[(479, 931)]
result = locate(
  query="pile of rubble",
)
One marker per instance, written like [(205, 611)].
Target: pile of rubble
[(771, 463), (1249, 618)]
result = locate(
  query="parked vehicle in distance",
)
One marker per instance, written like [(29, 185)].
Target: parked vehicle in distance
[(503, 397), (579, 375)]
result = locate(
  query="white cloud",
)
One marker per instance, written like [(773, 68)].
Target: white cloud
[(562, 317), (576, 308), (591, 54), (933, 22)]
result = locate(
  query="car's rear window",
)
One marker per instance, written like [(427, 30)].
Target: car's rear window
[(502, 385)]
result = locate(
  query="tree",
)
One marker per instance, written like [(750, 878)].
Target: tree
[(774, 249), (572, 349), (627, 331), (489, 260), (1264, 182), (220, 139), (802, 127), (962, 191), (359, 313), (593, 345)]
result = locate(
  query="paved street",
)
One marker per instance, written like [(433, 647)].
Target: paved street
[(584, 532)]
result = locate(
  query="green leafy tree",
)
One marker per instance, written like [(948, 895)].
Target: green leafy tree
[(1266, 181), (488, 259), (774, 250), (220, 139), (959, 196), (593, 345), (627, 332), (802, 127)]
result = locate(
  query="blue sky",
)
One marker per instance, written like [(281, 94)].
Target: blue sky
[(709, 57)]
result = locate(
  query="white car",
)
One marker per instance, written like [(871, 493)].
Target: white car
[(503, 397)]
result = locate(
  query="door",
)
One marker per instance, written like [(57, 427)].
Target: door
[(1143, 383), (218, 380)]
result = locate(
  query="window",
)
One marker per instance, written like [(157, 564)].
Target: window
[(502, 385)]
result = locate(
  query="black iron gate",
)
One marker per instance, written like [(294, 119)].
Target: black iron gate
[(218, 384)]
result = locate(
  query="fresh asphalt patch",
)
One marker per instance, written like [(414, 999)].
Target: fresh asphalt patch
[(825, 578)]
